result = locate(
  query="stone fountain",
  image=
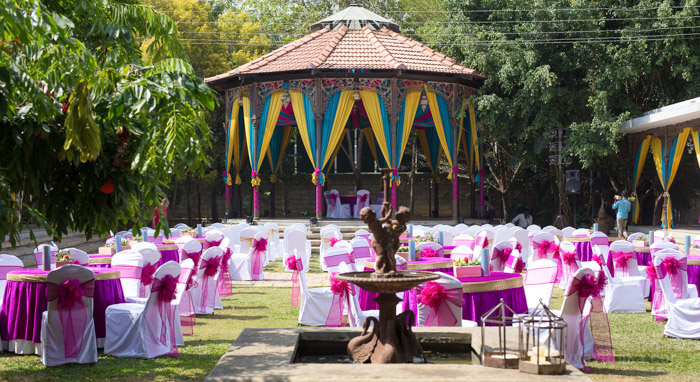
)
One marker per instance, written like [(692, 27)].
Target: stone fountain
[(389, 340)]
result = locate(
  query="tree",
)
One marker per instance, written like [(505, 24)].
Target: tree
[(90, 127), (581, 66)]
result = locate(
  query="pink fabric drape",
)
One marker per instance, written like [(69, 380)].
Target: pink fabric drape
[(342, 290), (259, 253), (147, 273), (211, 268), (225, 282), (296, 266), (590, 286), (167, 290), (437, 297), (71, 311)]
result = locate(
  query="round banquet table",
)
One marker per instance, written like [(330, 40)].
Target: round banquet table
[(480, 294), (172, 239), (99, 261), (25, 300), (643, 256), (433, 264)]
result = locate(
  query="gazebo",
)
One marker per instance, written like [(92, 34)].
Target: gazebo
[(355, 70)]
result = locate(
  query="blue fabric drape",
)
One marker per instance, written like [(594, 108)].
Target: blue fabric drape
[(447, 127), (261, 132), (327, 127)]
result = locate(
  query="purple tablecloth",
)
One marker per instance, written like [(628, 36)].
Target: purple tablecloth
[(98, 256), (366, 299), (168, 253), (584, 250), (474, 305), (24, 303)]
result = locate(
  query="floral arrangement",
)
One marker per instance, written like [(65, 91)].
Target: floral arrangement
[(125, 243), (402, 249), (63, 258), (427, 237), (427, 252), (464, 262)]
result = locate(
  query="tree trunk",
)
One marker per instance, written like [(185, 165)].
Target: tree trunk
[(189, 202)]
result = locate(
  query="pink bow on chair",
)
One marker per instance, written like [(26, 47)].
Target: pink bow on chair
[(71, 311), (363, 198), (259, 250), (569, 258), (195, 256), (620, 259), (211, 267), (428, 252), (225, 283), (147, 273), (590, 286), (502, 254), (167, 291), (333, 241), (333, 198), (673, 267), (342, 290), (296, 266), (542, 248), (436, 297)]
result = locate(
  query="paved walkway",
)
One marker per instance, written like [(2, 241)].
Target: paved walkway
[(284, 280)]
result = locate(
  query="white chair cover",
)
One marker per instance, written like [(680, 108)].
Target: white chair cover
[(622, 294), (129, 263), (360, 252), (274, 249), (461, 252), (426, 248), (146, 330), (539, 282), (8, 263), (678, 280), (361, 202), (79, 255), (683, 313), (151, 259), (465, 240), (205, 292), (241, 258), (67, 326), (500, 255), (334, 256), (435, 312)]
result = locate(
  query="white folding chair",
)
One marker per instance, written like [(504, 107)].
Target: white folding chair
[(8, 263), (360, 252), (129, 263), (447, 312), (205, 292), (683, 313), (361, 202), (332, 258), (151, 259)]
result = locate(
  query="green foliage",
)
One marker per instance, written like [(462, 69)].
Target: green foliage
[(89, 127)]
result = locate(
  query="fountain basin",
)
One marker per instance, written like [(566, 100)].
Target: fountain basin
[(398, 282)]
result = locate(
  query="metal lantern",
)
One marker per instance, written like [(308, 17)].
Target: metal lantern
[(542, 342), (285, 98), (502, 317), (356, 96)]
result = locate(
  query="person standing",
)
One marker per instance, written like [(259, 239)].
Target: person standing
[(623, 207), (156, 213), (523, 219)]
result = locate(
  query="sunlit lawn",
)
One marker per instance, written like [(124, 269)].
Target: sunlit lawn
[(641, 352)]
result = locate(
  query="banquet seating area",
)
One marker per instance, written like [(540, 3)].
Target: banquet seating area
[(143, 301)]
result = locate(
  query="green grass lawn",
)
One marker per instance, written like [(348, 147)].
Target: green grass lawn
[(641, 352)]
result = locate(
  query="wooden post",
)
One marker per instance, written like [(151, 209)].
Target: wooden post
[(664, 163), (455, 154), (394, 117), (318, 116), (256, 124)]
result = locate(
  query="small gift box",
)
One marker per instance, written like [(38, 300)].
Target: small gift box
[(107, 250), (192, 234), (62, 263), (467, 271)]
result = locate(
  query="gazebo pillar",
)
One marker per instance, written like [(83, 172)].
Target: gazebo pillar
[(455, 159), (393, 120), (253, 173), (318, 116)]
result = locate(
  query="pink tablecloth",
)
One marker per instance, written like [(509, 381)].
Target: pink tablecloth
[(24, 303), (367, 298), (474, 305)]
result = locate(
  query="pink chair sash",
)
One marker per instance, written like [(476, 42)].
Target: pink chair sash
[(515, 263), (542, 248), (590, 286), (361, 253), (482, 241), (296, 266), (570, 264), (259, 253), (332, 199), (467, 242), (71, 311), (211, 268), (621, 259), (658, 307), (599, 240), (673, 267), (538, 276), (167, 291), (436, 297), (225, 282), (362, 201), (128, 271), (502, 254), (334, 261), (147, 273), (195, 256), (4, 269), (342, 290), (187, 315)]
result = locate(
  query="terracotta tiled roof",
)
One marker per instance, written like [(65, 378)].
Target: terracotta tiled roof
[(345, 48)]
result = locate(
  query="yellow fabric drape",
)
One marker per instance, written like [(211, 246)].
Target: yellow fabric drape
[(234, 146), (658, 158), (680, 146), (432, 101), (423, 139), (409, 114), (342, 114), (475, 139), (300, 116), (643, 149), (371, 101), (273, 115), (369, 137)]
